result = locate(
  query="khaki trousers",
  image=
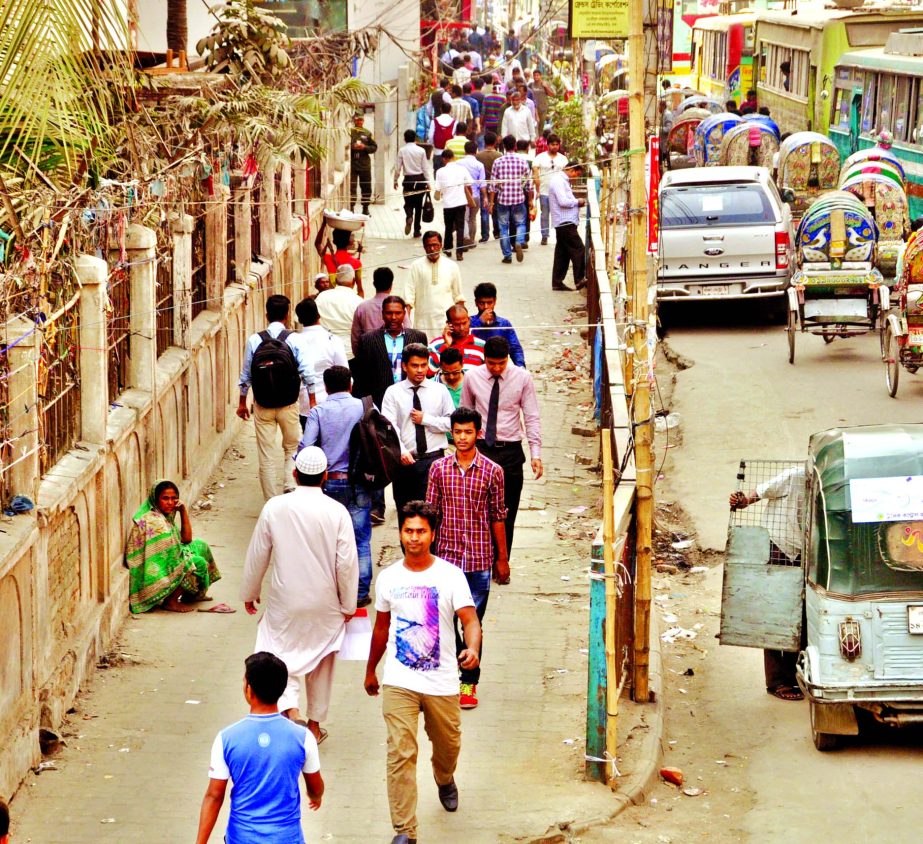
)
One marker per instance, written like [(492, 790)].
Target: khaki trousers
[(266, 420), (318, 686), (442, 721)]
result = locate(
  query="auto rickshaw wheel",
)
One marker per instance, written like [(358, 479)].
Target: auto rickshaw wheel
[(892, 361), (822, 741), (790, 330), (829, 337)]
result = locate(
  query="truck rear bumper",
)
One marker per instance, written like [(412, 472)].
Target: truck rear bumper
[(692, 290)]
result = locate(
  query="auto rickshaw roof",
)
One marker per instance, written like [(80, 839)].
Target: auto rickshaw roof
[(840, 455)]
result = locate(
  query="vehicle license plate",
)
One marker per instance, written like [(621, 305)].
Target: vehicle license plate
[(915, 338), (714, 290), (915, 620)]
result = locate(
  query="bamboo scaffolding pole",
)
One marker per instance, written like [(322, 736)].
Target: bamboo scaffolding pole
[(613, 685)]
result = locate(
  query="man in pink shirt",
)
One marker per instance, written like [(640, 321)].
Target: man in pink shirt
[(500, 391)]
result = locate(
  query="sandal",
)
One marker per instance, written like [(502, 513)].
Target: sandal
[(786, 692), (219, 608)]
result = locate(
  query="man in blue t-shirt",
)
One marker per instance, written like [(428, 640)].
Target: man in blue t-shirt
[(263, 755)]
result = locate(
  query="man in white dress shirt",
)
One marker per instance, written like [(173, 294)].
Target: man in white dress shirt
[(325, 350), (337, 306), (518, 121), (309, 539), (413, 163), (419, 409)]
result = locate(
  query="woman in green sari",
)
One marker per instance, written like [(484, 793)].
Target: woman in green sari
[(166, 566)]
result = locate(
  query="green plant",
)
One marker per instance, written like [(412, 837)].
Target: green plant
[(568, 122), (246, 41)]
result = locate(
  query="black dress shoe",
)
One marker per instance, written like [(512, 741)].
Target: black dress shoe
[(508, 260), (403, 839), (448, 796), (561, 287)]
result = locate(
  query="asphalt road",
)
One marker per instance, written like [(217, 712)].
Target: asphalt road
[(752, 755)]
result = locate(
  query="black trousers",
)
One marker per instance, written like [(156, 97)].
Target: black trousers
[(364, 178), (410, 481), (510, 457), (568, 249), (454, 219), (413, 200)]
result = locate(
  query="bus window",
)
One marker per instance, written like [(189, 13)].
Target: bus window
[(885, 102), (903, 102), (917, 136), (868, 102), (764, 62)]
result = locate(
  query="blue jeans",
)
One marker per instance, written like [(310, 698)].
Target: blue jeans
[(479, 583), (486, 218), (545, 205), (359, 504), (516, 214)]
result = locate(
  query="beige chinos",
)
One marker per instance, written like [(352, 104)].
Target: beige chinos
[(442, 721), (266, 420)]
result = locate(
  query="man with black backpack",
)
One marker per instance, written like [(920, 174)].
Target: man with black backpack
[(275, 366)]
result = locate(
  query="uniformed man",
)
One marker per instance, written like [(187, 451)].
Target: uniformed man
[(362, 145)]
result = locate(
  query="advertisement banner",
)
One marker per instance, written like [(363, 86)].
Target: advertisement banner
[(653, 195), (665, 36), (599, 18)]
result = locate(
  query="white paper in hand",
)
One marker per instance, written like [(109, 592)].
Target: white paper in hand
[(358, 639)]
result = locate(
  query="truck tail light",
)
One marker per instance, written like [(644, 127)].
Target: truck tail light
[(782, 244), (850, 639)]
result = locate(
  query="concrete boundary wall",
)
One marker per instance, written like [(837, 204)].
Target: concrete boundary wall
[(63, 585)]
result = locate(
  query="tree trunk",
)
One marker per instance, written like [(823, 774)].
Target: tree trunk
[(177, 29)]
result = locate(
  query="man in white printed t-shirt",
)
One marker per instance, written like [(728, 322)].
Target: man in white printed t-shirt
[(544, 165), (453, 187), (417, 599)]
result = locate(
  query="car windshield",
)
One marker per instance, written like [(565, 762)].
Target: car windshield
[(866, 558), (714, 205)]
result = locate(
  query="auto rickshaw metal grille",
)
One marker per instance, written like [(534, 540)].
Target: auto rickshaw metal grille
[(780, 509)]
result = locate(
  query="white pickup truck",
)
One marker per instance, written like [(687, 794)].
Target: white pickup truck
[(725, 233)]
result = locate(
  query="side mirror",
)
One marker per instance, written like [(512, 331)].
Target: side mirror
[(788, 195)]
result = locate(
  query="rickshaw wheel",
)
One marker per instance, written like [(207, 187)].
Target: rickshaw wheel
[(892, 361), (790, 330), (883, 339), (829, 337), (822, 741)]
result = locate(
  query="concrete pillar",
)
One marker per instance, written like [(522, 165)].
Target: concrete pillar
[(216, 237), (241, 199), (268, 212), (181, 225), (23, 473), (284, 200), (140, 242), (94, 383), (381, 160)]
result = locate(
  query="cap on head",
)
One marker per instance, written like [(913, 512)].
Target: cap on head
[(311, 460), (320, 277)]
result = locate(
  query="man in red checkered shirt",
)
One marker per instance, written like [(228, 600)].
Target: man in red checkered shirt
[(467, 490)]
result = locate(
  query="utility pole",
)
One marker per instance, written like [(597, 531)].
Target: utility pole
[(637, 277)]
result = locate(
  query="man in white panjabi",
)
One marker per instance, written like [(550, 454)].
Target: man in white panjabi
[(433, 287), (309, 539)]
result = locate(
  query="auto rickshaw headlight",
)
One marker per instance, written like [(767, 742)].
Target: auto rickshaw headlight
[(850, 639)]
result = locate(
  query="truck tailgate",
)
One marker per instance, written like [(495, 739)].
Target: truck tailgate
[(717, 251)]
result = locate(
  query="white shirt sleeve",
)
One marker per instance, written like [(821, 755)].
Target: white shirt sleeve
[(382, 604), (218, 767), (461, 593), (311, 753)]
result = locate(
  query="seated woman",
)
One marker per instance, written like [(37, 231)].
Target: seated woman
[(167, 568)]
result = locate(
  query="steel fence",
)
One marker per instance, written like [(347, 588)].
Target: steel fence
[(231, 242), (199, 274), (59, 384), (164, 301), (118, 330)]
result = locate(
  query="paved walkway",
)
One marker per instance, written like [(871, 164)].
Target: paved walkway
[(135, 766)]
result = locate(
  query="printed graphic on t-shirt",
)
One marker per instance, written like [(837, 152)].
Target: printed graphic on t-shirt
[(416, 635)]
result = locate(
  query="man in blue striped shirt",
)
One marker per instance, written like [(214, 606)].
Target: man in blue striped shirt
[(487, 323), (565, 217)]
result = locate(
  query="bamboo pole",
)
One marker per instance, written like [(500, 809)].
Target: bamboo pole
[(613, 684), (641, 405)]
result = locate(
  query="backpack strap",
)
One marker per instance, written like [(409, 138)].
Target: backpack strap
[(283, 335), (264, 336)]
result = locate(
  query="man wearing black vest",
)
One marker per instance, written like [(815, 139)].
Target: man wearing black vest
[(275, 366)]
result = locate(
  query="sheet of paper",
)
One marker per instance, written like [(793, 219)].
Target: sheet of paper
[(712, 203), (897, 499), (358, 639)]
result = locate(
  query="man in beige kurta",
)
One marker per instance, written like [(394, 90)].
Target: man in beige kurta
[(313, 588), (433, 287)]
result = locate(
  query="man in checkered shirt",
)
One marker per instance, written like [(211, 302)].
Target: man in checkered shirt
[(507, 179), (468, 491)]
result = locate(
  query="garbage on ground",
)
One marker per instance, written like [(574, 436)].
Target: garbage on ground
[(668, 422), (682, 545), (693, 792), (672, 775), (676, 633), (45, 766), (689, 673), (698, 569), (19, 504)]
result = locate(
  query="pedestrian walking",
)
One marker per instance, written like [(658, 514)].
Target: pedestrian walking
[(5, 823), (323, 348), (419, 409), (453, 187), (487, 157), (466, 489), (522, 149), (276, 367), (508, 177), (490, 112), (329, 426), (362, 147), (457, 144), (338, 306), (264, 755), (335, 247), (504, 395), (541, 91), (457, 335), (565, 217), (518, 120), (543, 167), (417, 599), (368, 315), (433, 286), (441, 131), (486, 323), (461, 110), (308, 537), (478, 192), (460, 73), (378, 365), (451, 372), (413, 163)]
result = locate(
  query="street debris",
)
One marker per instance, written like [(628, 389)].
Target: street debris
[(693, 792), (666, 421), (674, 634), (682, 545), (45, 766), (672, 775)]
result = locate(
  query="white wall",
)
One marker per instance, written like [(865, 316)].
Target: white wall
[(402, 19)]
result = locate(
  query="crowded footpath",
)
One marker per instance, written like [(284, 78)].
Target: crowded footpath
[(386, 388)]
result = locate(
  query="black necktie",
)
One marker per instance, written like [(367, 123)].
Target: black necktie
[(420, 431), (490, 432)]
